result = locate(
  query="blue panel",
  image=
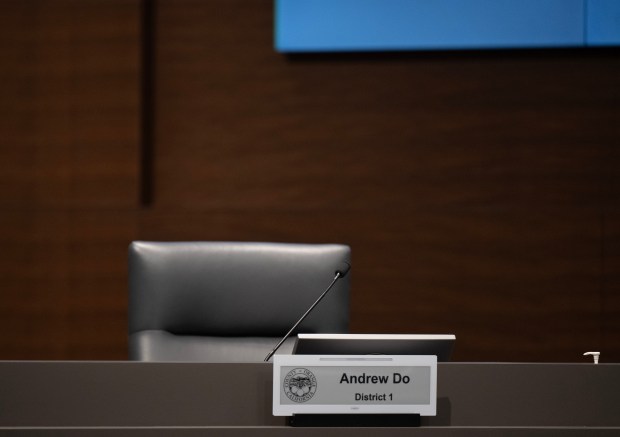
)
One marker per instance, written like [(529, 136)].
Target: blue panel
[(603, 25), (351, 25)]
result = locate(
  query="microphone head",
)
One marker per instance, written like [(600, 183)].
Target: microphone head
[(343, 269)]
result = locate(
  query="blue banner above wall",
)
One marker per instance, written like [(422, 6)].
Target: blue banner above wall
[(391, 25)]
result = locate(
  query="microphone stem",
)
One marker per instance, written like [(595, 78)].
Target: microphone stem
[(270, 354)]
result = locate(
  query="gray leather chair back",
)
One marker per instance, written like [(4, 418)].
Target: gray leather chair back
[(227, 301)]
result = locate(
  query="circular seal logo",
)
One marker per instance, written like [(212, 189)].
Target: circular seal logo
[(299, 385)]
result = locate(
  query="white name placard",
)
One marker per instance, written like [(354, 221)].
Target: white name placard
[(354, 384)]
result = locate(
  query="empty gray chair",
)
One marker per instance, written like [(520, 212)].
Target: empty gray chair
[(226, 301)]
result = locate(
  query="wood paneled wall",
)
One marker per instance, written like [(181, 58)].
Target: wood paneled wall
[(478, 190), (68, 175)]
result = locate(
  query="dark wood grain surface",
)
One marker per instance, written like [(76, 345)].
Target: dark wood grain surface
[(68, 175), (478, 190)]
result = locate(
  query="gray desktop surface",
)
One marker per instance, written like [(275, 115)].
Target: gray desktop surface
[(229, 399)]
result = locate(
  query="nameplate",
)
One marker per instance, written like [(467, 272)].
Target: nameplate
[(354, 384)]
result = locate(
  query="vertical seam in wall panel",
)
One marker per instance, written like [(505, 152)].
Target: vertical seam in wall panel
[(147, 109)]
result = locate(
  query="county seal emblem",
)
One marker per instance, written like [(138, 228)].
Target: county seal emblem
[(299, 385)]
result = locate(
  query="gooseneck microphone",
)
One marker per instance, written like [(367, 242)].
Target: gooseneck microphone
[(341, 272)]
